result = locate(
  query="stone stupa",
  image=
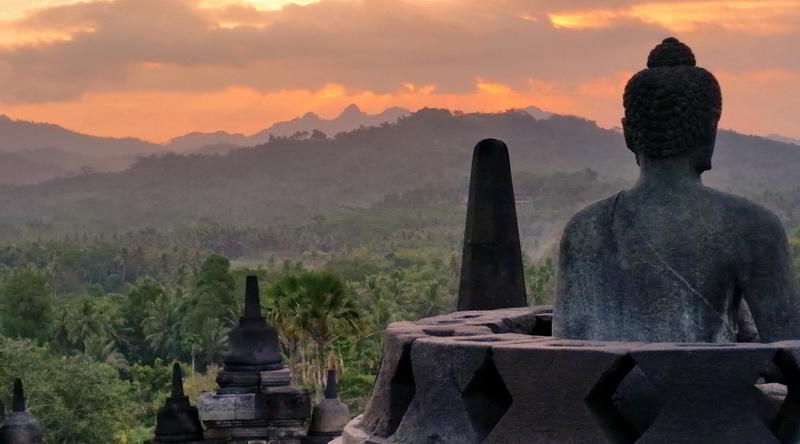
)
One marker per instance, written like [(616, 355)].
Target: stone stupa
[(330, 415), (178, 421), (19, 426), (255, 402)]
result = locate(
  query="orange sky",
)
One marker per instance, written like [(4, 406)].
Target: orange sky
[(157, 69)]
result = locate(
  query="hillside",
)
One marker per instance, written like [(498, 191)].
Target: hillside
[(31, 152), (23, 135), (291, 178)]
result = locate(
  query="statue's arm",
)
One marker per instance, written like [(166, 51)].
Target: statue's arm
[(563, 271), (771, 289)]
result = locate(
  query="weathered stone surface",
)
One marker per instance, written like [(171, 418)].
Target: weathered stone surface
[(707, 391), (491, 265), (276, 404), (455, 378), (786, 424), (561, 391), (670, 260), (226, 407), (394, 387), (517, 388), (252, 381)]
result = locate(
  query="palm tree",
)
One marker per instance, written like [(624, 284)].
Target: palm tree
[(101, 350), (317, 305), (161, 324), (86, 321)]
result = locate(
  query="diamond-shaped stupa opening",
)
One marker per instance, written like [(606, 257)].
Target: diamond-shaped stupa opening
[(786, 424), (401, 391), (486, 398), (624, 403)]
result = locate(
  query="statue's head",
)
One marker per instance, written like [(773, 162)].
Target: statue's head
[(672, 107)]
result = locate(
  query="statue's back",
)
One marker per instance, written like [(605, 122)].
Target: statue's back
[(660, 266)]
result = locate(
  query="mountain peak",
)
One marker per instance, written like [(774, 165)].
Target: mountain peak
[(352, 110)]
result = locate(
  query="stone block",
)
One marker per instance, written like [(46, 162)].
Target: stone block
[(394, 386), (707, 390), (561, 392), (226, 407), (271, 378), (443, 369), (283, 403)]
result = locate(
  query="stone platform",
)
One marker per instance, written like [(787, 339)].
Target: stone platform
[(495, 377)]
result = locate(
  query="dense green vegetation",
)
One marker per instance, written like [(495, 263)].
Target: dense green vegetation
[(106, 279)]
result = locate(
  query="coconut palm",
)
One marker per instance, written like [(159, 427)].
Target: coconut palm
[(316, 305), (102, 350), (88, 320), (162, 322)]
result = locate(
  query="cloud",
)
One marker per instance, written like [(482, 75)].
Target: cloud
[(369, 44), (573, 55), (744, 16)]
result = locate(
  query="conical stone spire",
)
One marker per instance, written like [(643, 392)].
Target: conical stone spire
[(331, 387), (18, 399), (253, 344), (252, 299), (20, 427), (177, 382), (178, 421), (491, 264)]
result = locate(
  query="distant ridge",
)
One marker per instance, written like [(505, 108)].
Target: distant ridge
[(350, 118), (19, 135), (31, 152), (784, 139)]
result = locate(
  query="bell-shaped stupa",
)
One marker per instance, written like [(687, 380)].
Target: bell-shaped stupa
[(19, 427), (178, 421), (329, 416)]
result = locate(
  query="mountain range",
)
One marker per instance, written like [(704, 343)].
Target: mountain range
[(32, 152), (290, 178), (351, 118)]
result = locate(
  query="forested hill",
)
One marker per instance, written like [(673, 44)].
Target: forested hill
[(289, 178)]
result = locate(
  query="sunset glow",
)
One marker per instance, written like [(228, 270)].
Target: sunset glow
[(160, 68), (750, 16)]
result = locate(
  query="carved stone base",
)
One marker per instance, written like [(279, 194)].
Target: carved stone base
[(278, 413), (447, 379), (252, 381)]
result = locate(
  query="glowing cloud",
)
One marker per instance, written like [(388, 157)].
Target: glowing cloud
[(750, 16)]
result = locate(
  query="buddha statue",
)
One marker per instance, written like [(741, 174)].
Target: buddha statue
[(671, 260)]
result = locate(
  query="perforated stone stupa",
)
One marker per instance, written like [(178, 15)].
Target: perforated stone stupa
[(651, 295)]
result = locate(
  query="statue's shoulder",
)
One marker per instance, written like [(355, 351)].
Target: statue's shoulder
[(746, 214), (589, 224)]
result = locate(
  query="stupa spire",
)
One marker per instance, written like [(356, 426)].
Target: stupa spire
[(252, 299), (178, 421), (18, 399), (491, 265), (177, 381), (331, 388)]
